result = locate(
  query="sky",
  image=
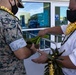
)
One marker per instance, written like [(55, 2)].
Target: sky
[(63, 11), (37, 7), (33, 8)]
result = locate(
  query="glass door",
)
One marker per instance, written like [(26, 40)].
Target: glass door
[(59, 17), (33, 17)]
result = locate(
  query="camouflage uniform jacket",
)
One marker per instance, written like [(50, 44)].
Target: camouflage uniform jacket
[(9, 32)]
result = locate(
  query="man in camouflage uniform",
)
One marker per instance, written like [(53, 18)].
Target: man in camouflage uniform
[(12, 45)]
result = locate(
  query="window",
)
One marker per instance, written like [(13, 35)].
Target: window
[(60, 18), (60, 15), (34, 15)]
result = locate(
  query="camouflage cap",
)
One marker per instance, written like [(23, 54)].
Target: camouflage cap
[(20, 4)]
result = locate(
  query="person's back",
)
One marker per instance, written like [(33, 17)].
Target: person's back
[(13, 47), (9, 63)]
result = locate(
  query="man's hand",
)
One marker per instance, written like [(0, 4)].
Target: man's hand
[(33, 48), (42, 58), (66, 62)]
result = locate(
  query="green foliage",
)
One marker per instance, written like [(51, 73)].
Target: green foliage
[(35, 40), (56, 66)]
